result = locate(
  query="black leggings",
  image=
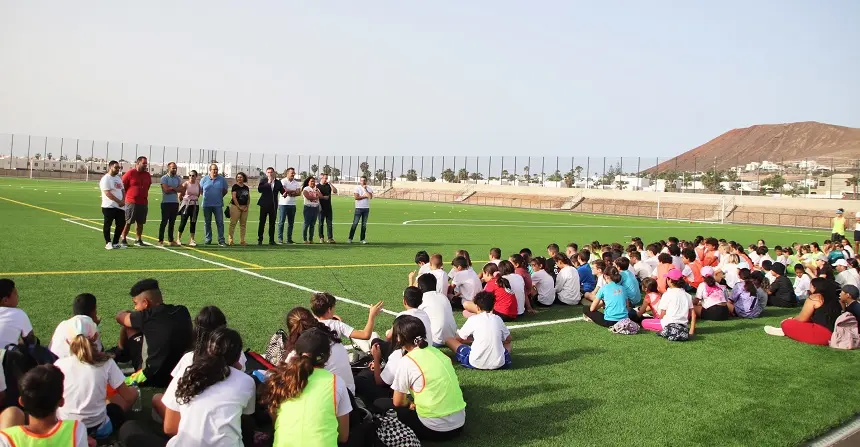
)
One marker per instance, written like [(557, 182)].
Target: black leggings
[(115, 217), (597, 317), (190, 213), (715, 313), (410, 418), (142, 434), (168, 219)]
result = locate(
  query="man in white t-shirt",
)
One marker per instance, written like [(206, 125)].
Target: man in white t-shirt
[(287, 205), (438, 308), (362, 194), (14, 323), (113, 206)]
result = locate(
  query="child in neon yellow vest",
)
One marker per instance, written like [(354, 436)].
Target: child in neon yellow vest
[(41, 394), (436, 411), (314, 402)]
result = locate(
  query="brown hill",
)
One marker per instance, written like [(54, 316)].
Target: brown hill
[(773, 142)]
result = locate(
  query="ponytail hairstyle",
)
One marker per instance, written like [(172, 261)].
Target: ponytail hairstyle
[(710, 281), (209, 319), (561, 257), (289, 379), (85, 350), (300, 320), (518, 261), (746, 277), (210, 367), (539, 262), (613, 274), (759, 279), (408, 331), (492, 270)]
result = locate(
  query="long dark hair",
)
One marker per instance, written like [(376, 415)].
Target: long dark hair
[(222, 350), (408, 331), (300, 320), (207, 320), (749, 285), (492, 270), (289, 379)]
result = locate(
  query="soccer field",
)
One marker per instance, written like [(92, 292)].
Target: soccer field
[(573, 383)]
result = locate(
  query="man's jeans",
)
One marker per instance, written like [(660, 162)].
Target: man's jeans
[(288, 211), (208, 211)]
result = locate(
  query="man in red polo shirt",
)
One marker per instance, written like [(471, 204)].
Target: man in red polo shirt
[(136, 183)]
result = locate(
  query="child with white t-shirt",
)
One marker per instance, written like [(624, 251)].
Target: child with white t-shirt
[(484, 342), (14, 323), (677, 318), (84, 305), (465, 283), (518, 286), (90, 374), (496, 255), (438, 308), (207, 403), (802, 282), (464, 254), (422, 260), (322, 306), (543, 283)]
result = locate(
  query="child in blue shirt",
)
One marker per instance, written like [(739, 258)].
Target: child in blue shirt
[(612, 298), (587, 281), (629, 282)]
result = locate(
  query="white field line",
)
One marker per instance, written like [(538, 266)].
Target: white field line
[(241, 270), (545, 323)]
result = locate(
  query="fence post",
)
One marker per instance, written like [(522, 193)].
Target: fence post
[(587, 170), (490, 169), (832, 172), (542, 169), (29, 161)]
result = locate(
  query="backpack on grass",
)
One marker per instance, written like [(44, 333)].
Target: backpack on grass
[(845, 335)]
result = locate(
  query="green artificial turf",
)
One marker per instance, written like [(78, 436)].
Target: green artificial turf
[(572, 383)]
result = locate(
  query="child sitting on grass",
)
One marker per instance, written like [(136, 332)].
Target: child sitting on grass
[(544, 285), (587, 281), (496, 255), (14, 323), (746, 300), (598, 267), (506, 302), (710, 302), (611, 297), (801, 283), (651, 299), (322, 306), (465, 283), (676, 319), (484, 342), (518, 286), (663, 267), (629, 282), (84, 305), (41, 391), (422, 260)]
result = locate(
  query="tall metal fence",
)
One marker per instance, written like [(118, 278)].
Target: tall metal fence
[(76, 159)]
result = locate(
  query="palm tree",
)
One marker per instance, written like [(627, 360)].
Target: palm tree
[(314, 168)]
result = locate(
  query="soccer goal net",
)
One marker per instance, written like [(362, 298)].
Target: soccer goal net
[(713, 209)]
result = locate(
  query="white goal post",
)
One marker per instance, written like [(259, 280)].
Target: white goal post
[(704, 208)]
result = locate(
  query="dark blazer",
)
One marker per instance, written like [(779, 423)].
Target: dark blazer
[(267, 195)]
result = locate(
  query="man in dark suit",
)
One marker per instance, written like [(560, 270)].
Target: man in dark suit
[(270, 189)]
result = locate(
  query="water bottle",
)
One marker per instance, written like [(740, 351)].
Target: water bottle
[(138, 404)]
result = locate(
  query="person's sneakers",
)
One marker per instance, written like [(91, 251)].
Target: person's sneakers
[(331, 241), (271, 243), (280, 242), (120, 246), (140, 243), (775, 331), (291, 241), (205, 242), (192, 243), (364, 242), (260, 242), (322, 241), (160, 243), (349, 241), (175, 244), (123, 244), (108, 246), (222, 244)]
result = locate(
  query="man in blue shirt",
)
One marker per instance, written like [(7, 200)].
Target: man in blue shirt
[(170, 188), (214, 189)]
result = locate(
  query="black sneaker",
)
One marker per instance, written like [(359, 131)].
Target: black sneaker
[(291, 242), (140, 243), (260, 242)]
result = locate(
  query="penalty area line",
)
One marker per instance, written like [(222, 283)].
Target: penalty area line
[(246, 272)]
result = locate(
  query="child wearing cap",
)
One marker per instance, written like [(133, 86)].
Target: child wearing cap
[(838, 225), (845, 274), (90, 374), (710, 302), (84, 305), (848, 297)]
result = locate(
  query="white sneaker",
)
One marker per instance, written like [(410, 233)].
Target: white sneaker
[(120, 246), (349, 241), (109, 246), (770, 330), (192, 243), (364, 242)]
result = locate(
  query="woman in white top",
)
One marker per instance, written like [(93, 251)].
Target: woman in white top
[(89, 374), (311, 210), (205, 405), (567, 286), (188, 207)]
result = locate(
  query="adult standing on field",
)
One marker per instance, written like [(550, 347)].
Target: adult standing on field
[(113, 207), (362, 195), (270, 189), (170, 189), (136, 183), (287, 205), (326, 189), (214, 188), (838, 226)]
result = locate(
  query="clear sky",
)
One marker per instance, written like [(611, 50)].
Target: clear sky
[(446, 77)]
